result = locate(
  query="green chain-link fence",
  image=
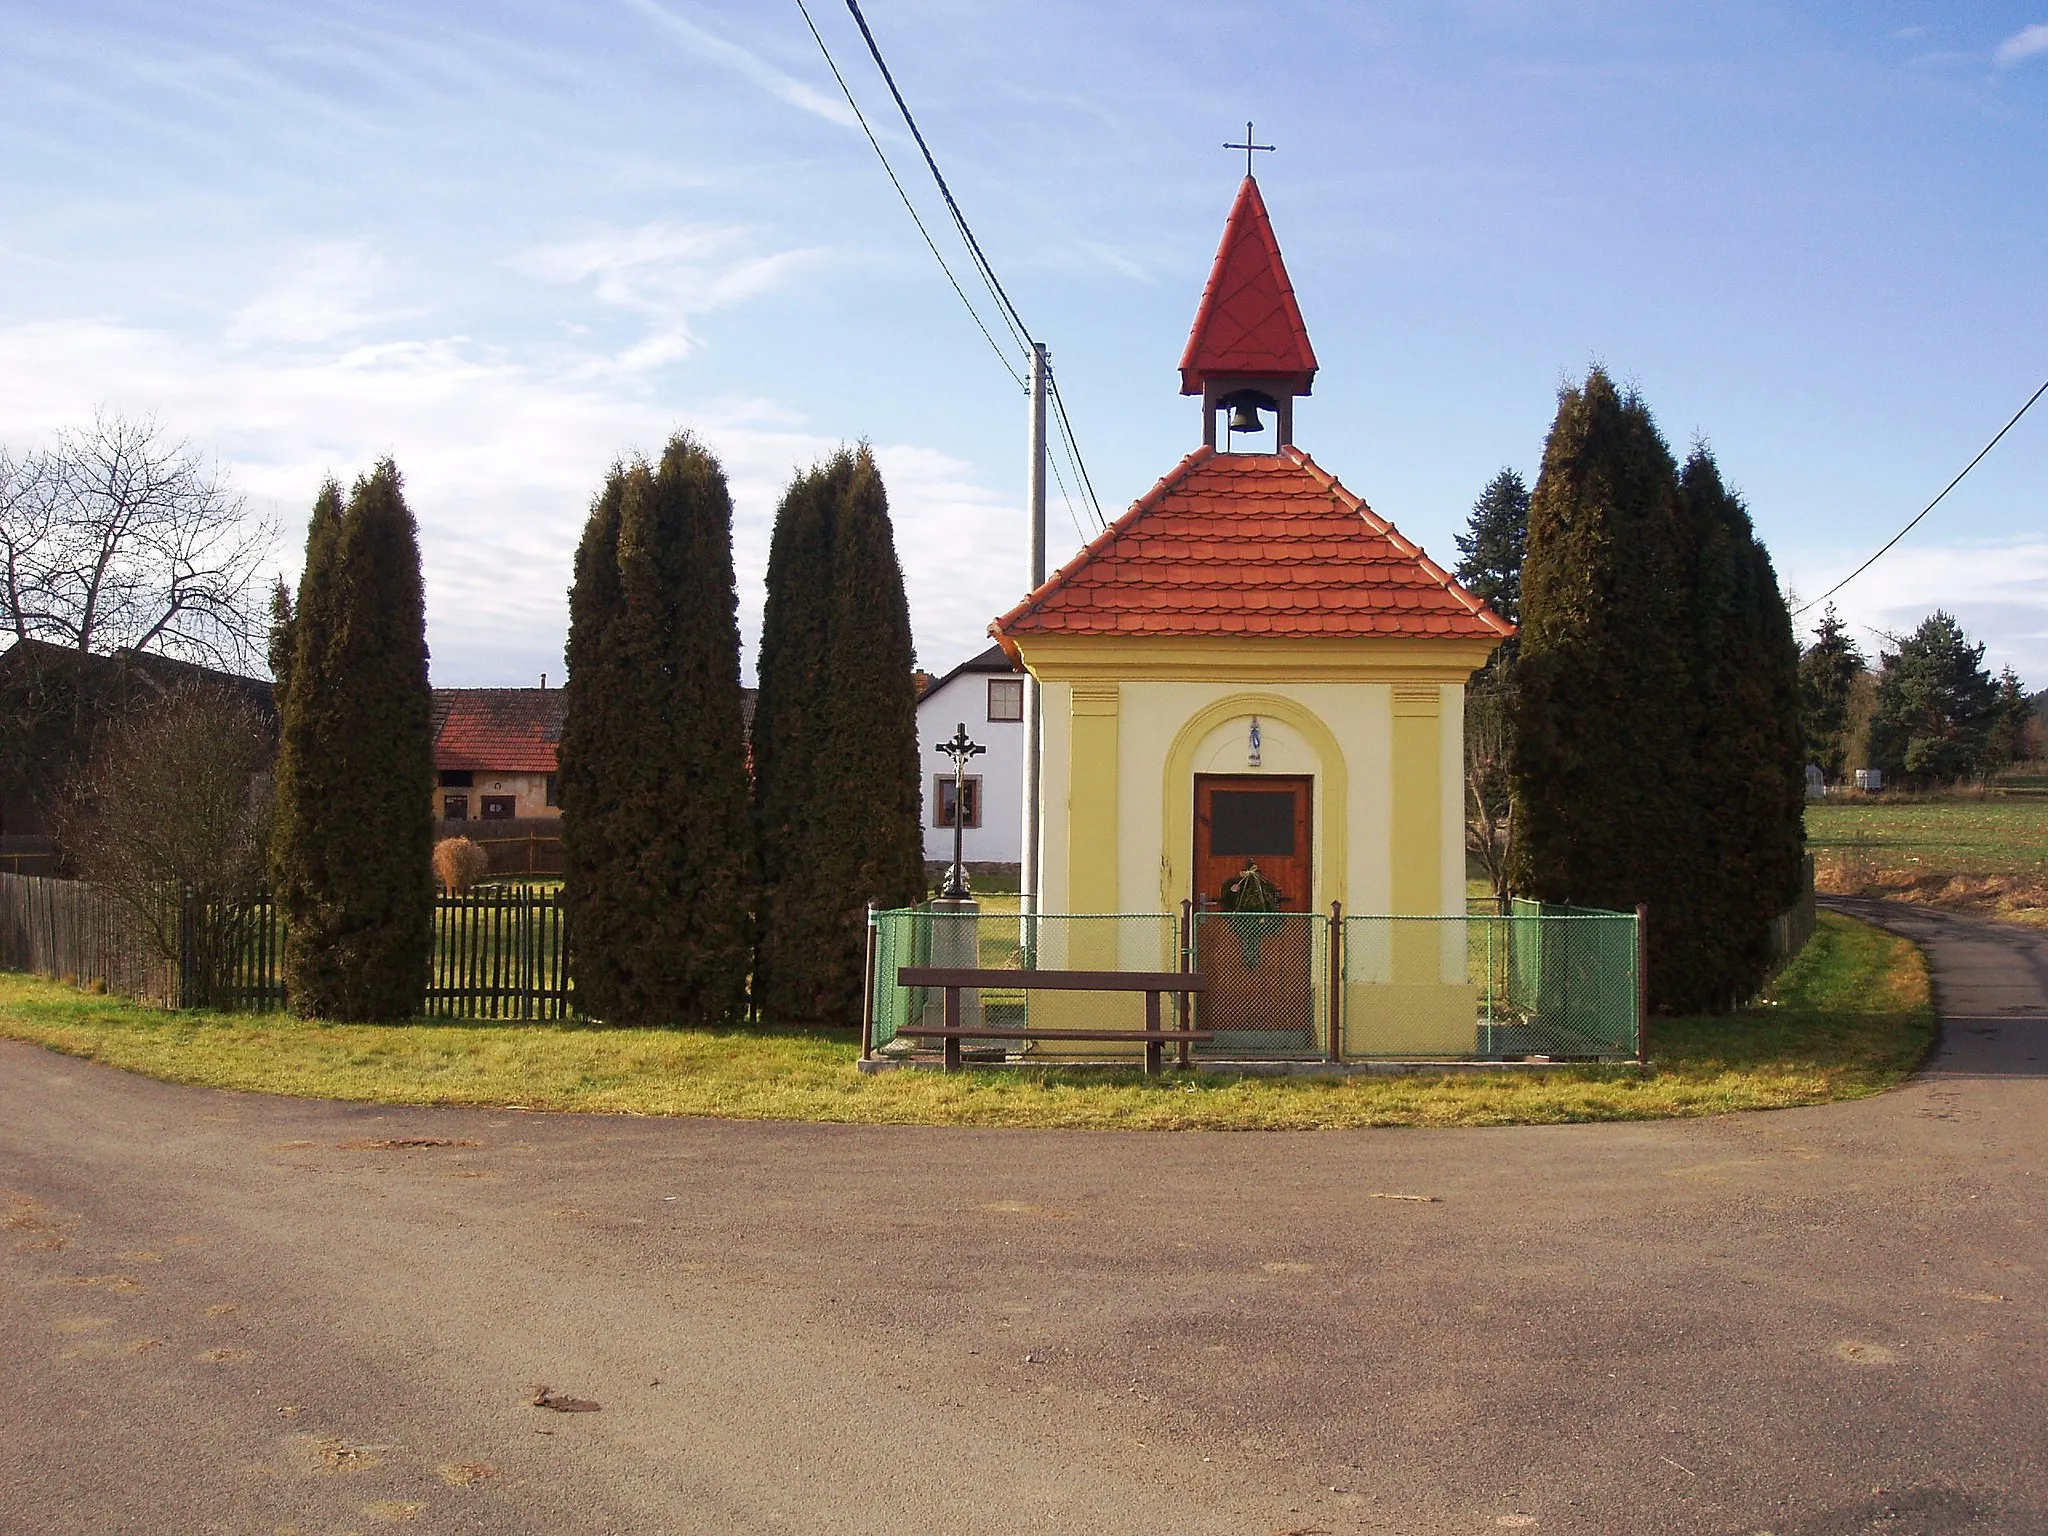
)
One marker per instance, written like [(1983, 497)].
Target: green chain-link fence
[(1006, 942), (1268, 972), (1531, 981), (1535, 980)]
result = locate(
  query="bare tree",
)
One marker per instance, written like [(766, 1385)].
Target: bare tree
[(176, 800), (118, 536), (1489, 810)]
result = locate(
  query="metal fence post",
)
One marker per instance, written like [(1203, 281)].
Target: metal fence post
[(1336, 981), (1184, 1004), (1642, 986), (867, 998)]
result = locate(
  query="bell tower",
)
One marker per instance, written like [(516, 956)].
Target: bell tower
[(1249, 351)]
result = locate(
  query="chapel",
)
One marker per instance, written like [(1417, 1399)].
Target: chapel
[(1251, 669)]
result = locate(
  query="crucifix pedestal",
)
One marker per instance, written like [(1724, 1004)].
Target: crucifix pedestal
[(956, 917), (956, 942)]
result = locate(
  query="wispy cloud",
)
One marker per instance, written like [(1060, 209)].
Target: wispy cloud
[(2027, 43), (1118, 261), (666, 273), (1997, 592), (784, 87), (501, 457), (324, 293)]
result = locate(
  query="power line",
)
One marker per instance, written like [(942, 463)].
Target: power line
[(911, 208), (1866, 565), (1081, 482), (1067, 433), (988, 272), (982, 266), (1061, 480)]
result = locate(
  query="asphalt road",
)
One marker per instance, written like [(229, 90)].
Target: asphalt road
[(226, 1312)]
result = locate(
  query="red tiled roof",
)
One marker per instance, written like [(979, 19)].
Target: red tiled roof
[(512, 730), (1248, 322), (1251, 544), (501, 730)]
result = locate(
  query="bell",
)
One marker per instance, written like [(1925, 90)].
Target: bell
[(1246, 418)]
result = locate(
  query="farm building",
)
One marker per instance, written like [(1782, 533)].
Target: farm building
[(494, 752), (55, 701)]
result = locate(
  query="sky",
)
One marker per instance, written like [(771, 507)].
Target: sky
[(509, 244)]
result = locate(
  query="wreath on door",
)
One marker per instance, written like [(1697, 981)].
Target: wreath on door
[(1251, 903)]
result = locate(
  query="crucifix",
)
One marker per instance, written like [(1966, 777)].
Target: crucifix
[(960, 749), (1248, 146)]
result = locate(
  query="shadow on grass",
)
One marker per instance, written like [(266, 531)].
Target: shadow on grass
[(1856, 1003)]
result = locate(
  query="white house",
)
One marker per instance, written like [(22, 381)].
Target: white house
[(987, 696)]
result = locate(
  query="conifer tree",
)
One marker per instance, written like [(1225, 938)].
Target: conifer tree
[(281, 640), (1935, 705), (871, 764), (788, 735), (1493, 543), (1746, 780), (593, 774), (1495, 539), (2011, 713), (1827, 675), (1604, 726), (355, 776), (836, 759), (660, 882)]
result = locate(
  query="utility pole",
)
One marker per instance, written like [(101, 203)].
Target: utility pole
[(1034, 712)]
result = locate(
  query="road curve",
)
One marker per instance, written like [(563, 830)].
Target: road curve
[(227, 1312)]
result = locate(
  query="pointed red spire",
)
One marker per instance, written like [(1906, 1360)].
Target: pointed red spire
[(1248, 325)]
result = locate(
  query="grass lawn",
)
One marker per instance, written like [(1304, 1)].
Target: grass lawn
[(1850, 1017), (1988, 853)]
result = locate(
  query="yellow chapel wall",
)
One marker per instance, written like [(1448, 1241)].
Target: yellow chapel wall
[(1118, 836), (1342, 735), (1110, 828), (1055, 776)]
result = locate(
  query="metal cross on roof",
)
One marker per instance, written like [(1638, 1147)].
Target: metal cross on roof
[(1248, 146)]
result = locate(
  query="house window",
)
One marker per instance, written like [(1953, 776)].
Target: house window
[(500, 807), (457, 778), (1006, 698), (455, 807), (942, 801), (553, 792)]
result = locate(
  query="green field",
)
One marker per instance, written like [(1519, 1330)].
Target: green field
[(2004, 835), (1850, 1017), (1988, 854)]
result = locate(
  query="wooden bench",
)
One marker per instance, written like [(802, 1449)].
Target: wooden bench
[(1154, 984)]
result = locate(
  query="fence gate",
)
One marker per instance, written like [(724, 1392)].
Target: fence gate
[(1266, 971)]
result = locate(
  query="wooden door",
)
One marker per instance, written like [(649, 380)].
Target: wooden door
[(1261, 996), (1263, 820)]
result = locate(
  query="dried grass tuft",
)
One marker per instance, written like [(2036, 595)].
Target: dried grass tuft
[(459, 863)]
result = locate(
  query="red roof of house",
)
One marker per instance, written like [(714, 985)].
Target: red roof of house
[(512, 730), (1248, 323), (1251, 544), (498, 730)]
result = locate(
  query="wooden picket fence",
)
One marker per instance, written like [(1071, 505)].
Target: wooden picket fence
[(1791, 928), (525, 845), (67, 930), (499, 953)]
